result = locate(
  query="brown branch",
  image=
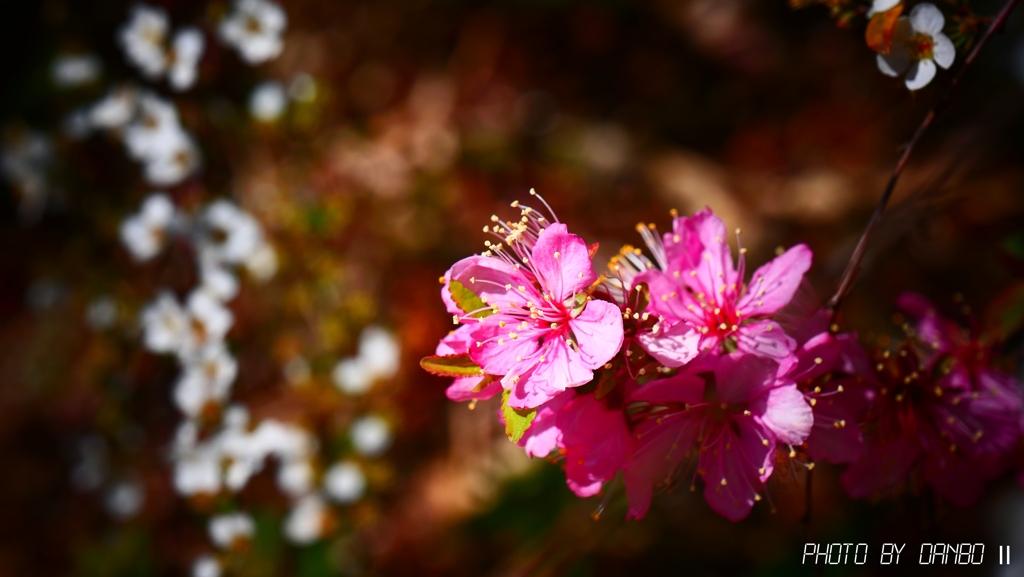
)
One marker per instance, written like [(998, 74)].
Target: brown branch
[(853, 267)]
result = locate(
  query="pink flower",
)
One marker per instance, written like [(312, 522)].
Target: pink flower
[(597, 442), (928, 424), (729, 425), (703, 303), (538, 328)]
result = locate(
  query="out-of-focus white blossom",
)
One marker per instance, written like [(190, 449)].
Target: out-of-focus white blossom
[(186, 50), (370, 435), (254, 28), (101, 313), (228, 234), (24, 162), (71, 70), (197, 466), (377, 359), (227, 531), (267, 101), (216, 279), (918, 45), (345, 482), (115, 110), (295, 477), (206, 378), (145, 234), (180, 161), (262, 263), (206, 566), (147, 44), (143, 39), (306, 521), (156, 139), (124, 499), (379, 351), (170, 328)]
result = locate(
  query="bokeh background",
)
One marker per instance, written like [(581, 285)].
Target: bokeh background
[(407, 124)]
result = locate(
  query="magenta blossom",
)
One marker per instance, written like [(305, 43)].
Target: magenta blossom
[(703, 302), (537, 328), (929, 426), (465, 388), (727, 422)]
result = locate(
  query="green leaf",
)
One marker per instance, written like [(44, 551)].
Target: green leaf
[(451, 366), (467, 301), (517, 421)]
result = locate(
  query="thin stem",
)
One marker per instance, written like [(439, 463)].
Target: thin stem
[(853, 267)]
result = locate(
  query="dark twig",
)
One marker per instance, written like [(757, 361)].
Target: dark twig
[(858, 253)]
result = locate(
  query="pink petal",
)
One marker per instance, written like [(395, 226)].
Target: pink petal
[(465, 389), (597, 443), (773, 285), (818, 356), (562, 262), (682, 254), (497, 352), (766, 339), (716, 275), (788, 415), (673, 346), (732, 479), (742, 378), (669, 298), (598, 333), (681, 388), (544, 435), (562, 368), (957, 480), (659, 449), (827, 442), (487, 277)]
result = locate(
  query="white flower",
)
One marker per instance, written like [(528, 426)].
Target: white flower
[(207, 378), (255, 29), (114, 110), (216, 279), (24, 162), (352, 376), (124, 499), (345, 482), (918, 44), (371, 435), (155, 133), (262, 263), (143, 38), (379, 351), (879, 6), (306, 522), (206, 566), (209, 321), (70, 70), (295, 477), (186, 50), (164, 324), (145, 234), (228, 233), (267, 101), (228, 530), (197, 467), (179, 161)]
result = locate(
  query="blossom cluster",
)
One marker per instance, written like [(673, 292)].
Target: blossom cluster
[(218, 448), (677, 367)]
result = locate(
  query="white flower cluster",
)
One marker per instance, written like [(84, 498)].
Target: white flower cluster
[(150, 129), (147, 44), (223, 237), (254, 29)]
